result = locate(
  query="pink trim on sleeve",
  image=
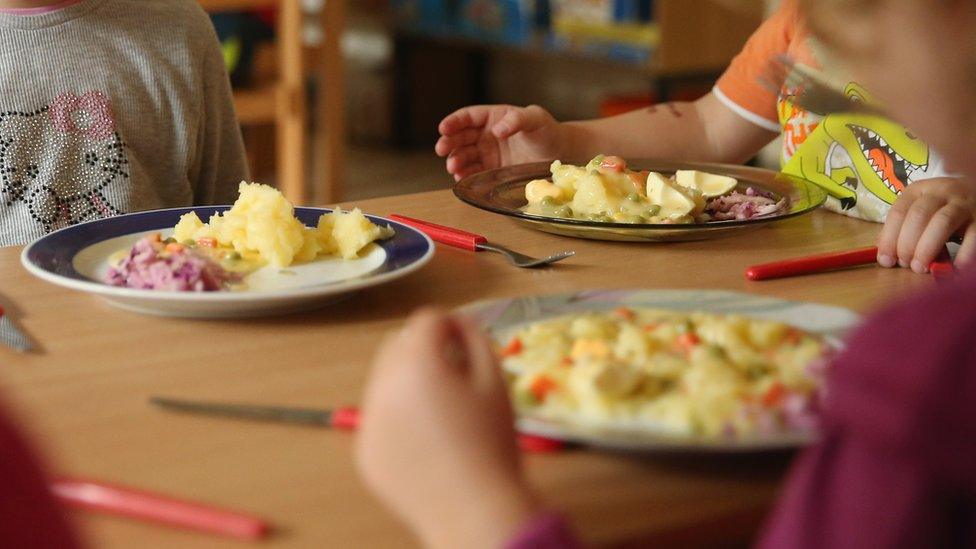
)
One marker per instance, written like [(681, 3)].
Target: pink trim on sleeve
[(547, 531), (41, 10)]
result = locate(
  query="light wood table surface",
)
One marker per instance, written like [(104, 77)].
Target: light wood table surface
[(83, 398)]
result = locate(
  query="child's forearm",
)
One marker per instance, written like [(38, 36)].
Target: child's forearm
[(704, 131)]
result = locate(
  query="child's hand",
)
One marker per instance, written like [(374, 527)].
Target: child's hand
[(437, 442), (488, 136), (926, 215)]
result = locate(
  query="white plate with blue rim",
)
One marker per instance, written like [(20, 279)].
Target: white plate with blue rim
[(503, 317), (79, 257)]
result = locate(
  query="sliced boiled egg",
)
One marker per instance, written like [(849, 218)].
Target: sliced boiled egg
[(710, 185), (671, 197)]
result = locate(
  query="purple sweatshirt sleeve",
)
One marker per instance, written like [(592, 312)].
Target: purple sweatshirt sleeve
[(548, 531), (895, 465)]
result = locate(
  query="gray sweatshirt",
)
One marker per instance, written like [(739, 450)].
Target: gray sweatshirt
[(110, 107)]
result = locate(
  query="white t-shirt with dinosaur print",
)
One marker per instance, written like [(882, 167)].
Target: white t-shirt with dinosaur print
[(864, 162)]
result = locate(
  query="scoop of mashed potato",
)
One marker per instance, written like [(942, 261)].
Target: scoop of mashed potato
[(262, 224)]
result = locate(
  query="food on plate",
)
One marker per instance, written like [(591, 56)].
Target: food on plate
[(686, 374), (153, 264), (262, 227), (259, 230), (607, 190)]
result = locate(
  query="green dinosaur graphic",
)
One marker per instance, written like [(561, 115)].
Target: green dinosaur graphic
[(851, 153)]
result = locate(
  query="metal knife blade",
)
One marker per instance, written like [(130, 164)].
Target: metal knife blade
[(280, 414), (11, 336)]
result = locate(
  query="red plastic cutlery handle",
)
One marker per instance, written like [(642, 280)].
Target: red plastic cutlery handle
[(812, 264), (534, 444), (941, 268), (138, 504), (442, 234), (346, 419)]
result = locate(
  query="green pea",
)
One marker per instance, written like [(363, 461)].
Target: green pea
[(169, 240), (548, 201), (651, 211), (564, 211), (597, 160), (524, 398), (233, 256), (634, 197), (685, 327), (190, 242)]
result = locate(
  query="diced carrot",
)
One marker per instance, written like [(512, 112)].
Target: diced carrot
[(513, 348), (156, 237), (774, 395), (625, 313), (651, 326), (567, 361), (687, 341), (793, 336), (174, 247), (207, 242), (541, 388), (614, 163)]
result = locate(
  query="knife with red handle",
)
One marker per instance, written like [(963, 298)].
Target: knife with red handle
[(139, 504), (444, 235), (941, 268), (346, 419)]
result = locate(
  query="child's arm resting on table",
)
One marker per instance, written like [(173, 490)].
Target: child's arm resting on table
[(488, 136), (926, 215)]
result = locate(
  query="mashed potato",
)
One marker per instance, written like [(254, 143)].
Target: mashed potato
[(686, 373), (262, 227)]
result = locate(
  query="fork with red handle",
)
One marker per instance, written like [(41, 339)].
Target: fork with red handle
[(476, 242)]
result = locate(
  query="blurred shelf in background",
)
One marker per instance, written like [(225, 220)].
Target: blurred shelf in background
[(306, 170)]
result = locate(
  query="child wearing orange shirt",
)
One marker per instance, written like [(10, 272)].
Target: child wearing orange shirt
[(869, 165)]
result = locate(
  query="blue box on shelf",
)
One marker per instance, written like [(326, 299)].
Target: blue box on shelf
[(513, 21)]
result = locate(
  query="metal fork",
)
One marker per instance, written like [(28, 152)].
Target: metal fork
[(813, 92), (476, 242), (522, 260)]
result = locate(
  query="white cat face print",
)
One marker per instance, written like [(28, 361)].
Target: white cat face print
[(64, 163)]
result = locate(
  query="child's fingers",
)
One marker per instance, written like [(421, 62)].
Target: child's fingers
[(916, 220), (463, 157), (484, 365), (470, 169), (940, 228), (448, 143), (967, 252), (461, 119), (520, 120), (888, 238)]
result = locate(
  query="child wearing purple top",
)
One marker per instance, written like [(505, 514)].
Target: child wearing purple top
[(894, 467)]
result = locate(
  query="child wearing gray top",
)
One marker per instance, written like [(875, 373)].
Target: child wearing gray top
[(109, 107)]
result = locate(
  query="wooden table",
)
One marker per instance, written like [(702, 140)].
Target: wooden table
[(83, 398)]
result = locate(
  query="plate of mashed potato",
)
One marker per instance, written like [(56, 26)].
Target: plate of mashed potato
[(666, 370), (609, 198), (260, 256)]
